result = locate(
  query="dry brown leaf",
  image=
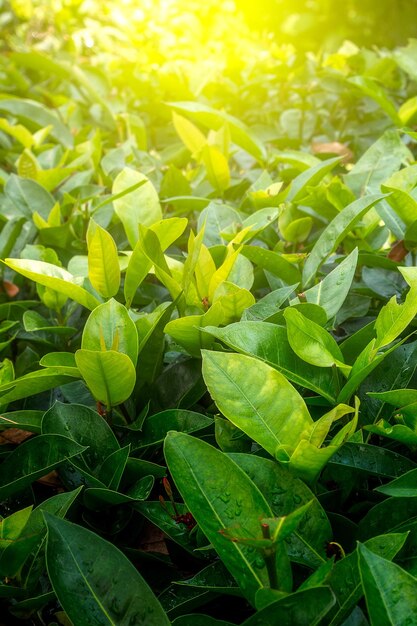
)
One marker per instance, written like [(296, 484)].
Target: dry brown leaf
[(333, 147), (398, 252), (51, 480), (153, 540), (14, 435), (10, 288)]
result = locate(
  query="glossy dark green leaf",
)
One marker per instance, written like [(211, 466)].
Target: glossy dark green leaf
[(372, 459), (214, 577), (33, 459), (156, 426), (217, 505), (199, 620), (164, 517), (390, 515), (97, 498), (176, 600), (112, 468), (285, 493), (94, 582), (27, 420), (344, 579), (390, 591), (84, 426), (403, 487), (28, 550), (307, 607)]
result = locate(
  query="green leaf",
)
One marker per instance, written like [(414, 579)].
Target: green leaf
[(344, 578), (53, 277), (285, 493), (380, 161), (306, 607), (272, 262), (217, 167), (257, 399), (371, 89), (403, 487), (218, 504), (94, 582), (33, 459), (97, 498), (311, 342), (189, 134), (26, 553), (156, 427), (86, 427), (33, 113), (335, 232), (103, 262), (330, 293), (390, 591), (214, 119), (110, 375), (139, 266), (25, 419), (309, 178), (269, 342), (137, 207), (112, 468), (36, 382), (372, 459), (199, 620), (109, 327), (393, 318), (267, 306)]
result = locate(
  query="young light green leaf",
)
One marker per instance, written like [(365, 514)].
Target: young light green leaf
[(269, 342), (109, 327), (257, 399), (103, 262), (335, 232), (394, 318), (330, 293), (138, 207), (189, 134), (53, 277), (311, 342), (109, 375)]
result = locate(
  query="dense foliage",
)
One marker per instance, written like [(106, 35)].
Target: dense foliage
[(208, 379)]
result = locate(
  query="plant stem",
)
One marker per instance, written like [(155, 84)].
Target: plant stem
[(269, 555)]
